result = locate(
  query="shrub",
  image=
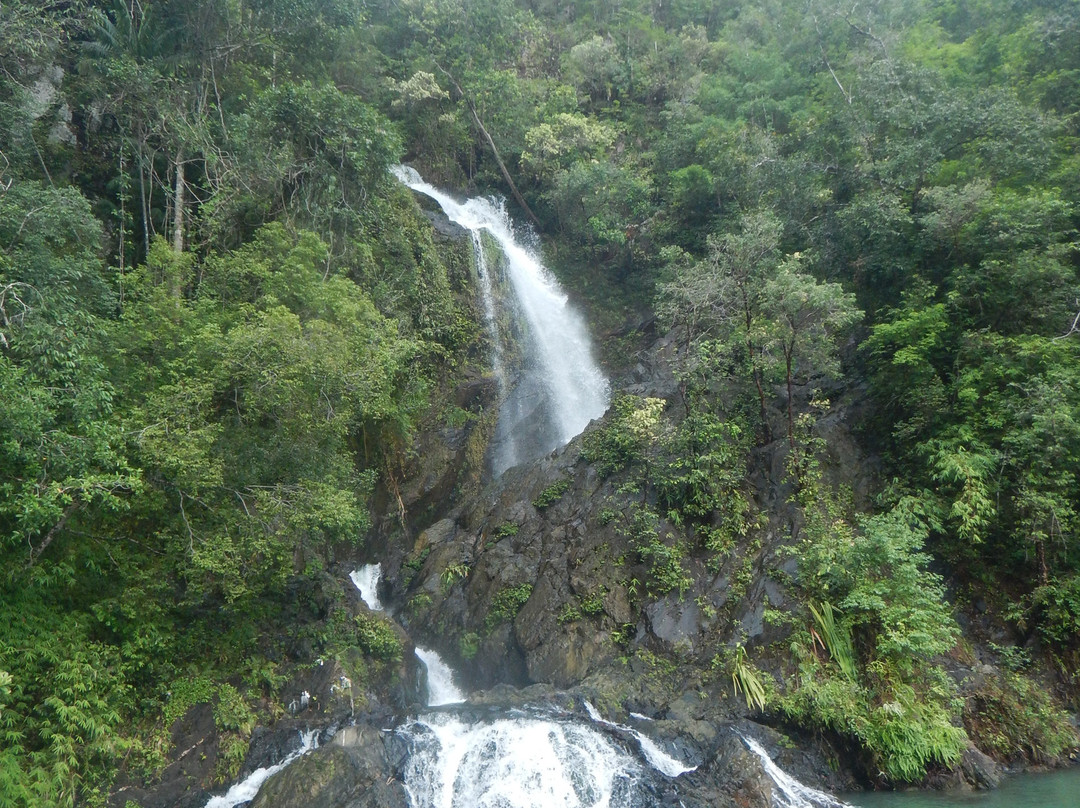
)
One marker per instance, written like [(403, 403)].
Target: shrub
[(550, 495), (507, 603), (377, 639)]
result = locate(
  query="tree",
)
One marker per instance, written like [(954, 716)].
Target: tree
[(803, 318), (723, 296)]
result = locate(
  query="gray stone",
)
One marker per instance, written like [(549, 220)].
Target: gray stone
[(673, 620), (980, 770), (352, 771)]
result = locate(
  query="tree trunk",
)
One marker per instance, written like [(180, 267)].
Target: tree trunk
[(35, 552), (790, 406), (178, 204), (494, 149), (755, 371), (144, 202)]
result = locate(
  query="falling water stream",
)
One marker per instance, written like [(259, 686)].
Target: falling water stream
[(558, 387)]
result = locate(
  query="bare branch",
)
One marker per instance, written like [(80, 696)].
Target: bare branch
[(1074, 328), (35, 552), (494, 149)]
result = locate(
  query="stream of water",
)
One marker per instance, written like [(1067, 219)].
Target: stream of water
[(1060, 789), (520, 759)]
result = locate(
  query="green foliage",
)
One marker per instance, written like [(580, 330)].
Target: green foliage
[(834, 638), (506, 604), (184, 435), (419, 603), (185, 693), (1015, 719), (904, 731), (452, 573), (626, 437), (662, 554), (890, 696), (231, 713), (590, 605), (469, 645), (506, 530), (377, 639), (552, 494), (746, 680), (232, 751), (1058, 605)]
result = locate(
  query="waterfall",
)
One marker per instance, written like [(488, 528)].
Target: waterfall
[(523, 761), (440, 678), (790, 792), (559, 388), (366, 579), (491, 322), (246, 789)]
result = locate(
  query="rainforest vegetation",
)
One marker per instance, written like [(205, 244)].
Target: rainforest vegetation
[(222, 322)]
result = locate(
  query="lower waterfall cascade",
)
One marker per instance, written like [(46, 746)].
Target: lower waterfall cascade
[(524, 759)]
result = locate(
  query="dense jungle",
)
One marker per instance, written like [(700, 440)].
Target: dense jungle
[(827, 251)]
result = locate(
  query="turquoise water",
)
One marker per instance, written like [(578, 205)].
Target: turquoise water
[(1059, 789)]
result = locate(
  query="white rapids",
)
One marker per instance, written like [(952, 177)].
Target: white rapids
[(657, 757), (440, 679), (560, 388), (520, 761), (366, 579)]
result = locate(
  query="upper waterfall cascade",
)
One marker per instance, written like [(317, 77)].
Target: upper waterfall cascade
[(559, 387)]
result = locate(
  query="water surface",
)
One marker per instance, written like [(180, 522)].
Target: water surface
[(1060, 789)]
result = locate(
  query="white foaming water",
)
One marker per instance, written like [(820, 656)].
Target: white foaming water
[(657, 757), (441, 687), (246, 789), (792, 793), (440, 679), (561, 388), (522, 762), (366, 579)]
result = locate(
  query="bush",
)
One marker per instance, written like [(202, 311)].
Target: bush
[(664, 560), (507, 603), (1013, 719), (377, 639), (624, 440), (890, 621)]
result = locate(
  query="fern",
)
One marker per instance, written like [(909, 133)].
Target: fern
[(834, 638)]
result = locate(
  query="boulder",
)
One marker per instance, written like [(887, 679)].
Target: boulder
[(354, 770)]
